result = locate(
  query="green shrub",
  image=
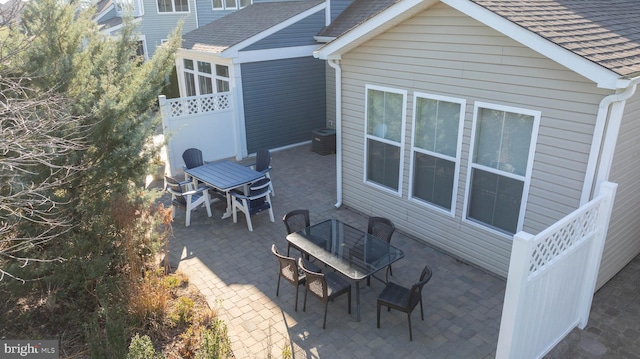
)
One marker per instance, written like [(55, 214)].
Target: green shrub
[(215, 342), (142, 348), (183, 312)]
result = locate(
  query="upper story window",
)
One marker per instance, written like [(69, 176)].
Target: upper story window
[(141, 49), (502, 150), (166, 6), (230, 4), (384, 137), (129, 6), (436, 149), (201, 78)]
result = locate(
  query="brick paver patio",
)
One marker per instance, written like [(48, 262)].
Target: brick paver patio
[(235, 270)]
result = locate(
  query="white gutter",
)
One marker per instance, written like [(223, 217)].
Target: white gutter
[(336, 66), (605, 138)]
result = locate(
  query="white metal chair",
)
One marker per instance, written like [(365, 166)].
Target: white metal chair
[(256, 201), (184, 196)]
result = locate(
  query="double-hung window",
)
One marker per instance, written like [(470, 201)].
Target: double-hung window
[(230, 4), (202, 78), (384, 137), (129, 6), (436, 148), (502, 150), (166, 6)]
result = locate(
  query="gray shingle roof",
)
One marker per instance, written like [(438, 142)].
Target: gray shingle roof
[(109, 23), (355, 14), (606, 32), (241, 25)]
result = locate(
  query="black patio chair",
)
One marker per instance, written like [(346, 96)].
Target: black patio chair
[(379, 227), (295, 221), (290, 272), (325, 286), (382, 228), (404, 299)]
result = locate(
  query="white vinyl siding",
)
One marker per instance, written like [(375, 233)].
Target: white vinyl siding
[(384, 137), (444, 52), (437, 145)]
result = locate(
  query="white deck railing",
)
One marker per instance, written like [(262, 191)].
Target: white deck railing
[(552, 279)]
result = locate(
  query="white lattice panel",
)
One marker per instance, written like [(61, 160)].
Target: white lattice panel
[(176, 108), (199, 104), (558, 242)]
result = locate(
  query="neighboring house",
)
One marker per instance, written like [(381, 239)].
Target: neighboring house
[(263, 55), (210, 10), (465, 122), (10, 11), (156, 19)]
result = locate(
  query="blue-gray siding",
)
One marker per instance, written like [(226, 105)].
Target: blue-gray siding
[(206, 14), (284, 101), (109, 15), (298, 34), (338, 6), (157, 27)]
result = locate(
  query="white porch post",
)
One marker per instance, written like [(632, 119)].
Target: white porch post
[(516, 285)]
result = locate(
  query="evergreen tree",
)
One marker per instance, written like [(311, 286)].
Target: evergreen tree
[(77, 110)]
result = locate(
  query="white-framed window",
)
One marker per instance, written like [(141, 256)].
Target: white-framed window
[(141, 50), (436, 150), (230, 4), (384, 137), (501, 159), (129, 6), (168, 6), (202, 77)]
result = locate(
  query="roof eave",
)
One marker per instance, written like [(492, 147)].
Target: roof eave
[(183, 53), (324, 39), (602, 77), (233, 50), (371, 28)]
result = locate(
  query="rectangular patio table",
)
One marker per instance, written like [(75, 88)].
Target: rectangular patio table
[(348, 250), (224, 176)]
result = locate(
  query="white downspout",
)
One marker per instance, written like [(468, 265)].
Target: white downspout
[(605, 137), (336, 66), (195, 12)]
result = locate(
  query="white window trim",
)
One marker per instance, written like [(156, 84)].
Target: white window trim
[(225, 8), (402, 140), (143, 39), (173, 9), (526, 178), (181, 70), (456, 159)]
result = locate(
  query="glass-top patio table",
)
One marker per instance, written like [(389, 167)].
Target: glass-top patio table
[(348, 250), (224, 176)]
